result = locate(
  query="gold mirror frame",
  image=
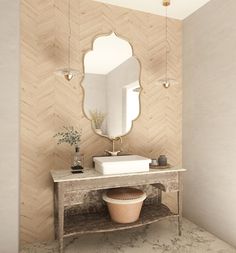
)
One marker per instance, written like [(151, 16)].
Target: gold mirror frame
[(83, 90)]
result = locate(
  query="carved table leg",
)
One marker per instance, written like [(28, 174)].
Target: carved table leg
[(180, 202), (55, 200), (60, 233), (159, 199)]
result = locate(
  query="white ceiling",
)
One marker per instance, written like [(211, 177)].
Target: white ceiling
[(107, 54), (179, 9)]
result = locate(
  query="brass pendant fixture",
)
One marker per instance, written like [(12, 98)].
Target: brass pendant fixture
[(166, 3), (68, 72), (166, 82)]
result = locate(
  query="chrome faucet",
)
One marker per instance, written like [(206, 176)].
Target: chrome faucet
[(113, 152)]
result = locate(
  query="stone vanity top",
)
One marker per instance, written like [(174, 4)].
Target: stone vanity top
[(91, 173)]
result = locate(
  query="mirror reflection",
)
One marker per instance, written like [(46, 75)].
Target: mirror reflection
[(111, 86)]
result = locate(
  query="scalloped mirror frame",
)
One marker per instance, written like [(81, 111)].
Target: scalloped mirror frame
[(82, 80)]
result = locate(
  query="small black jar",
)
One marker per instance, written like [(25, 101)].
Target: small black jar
[(162, 160)]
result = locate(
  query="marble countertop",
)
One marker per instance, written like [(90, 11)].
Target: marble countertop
[(91, 173)]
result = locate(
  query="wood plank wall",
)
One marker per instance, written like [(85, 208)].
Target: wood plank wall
[(48, 102)]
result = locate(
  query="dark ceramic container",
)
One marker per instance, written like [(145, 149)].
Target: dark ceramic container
[(162, 160)]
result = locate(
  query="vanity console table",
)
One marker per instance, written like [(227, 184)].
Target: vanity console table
[(66, 185)]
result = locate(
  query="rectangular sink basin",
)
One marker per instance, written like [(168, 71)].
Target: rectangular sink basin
[(121, 164)]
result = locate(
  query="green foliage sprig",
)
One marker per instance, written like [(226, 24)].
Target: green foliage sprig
[(70, 136)]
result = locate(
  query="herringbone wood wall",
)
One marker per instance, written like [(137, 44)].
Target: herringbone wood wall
[(48, 102)]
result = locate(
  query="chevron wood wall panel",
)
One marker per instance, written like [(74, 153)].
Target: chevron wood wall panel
[(48, 102)]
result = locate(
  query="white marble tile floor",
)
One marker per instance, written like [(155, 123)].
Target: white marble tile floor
[(160, 237)]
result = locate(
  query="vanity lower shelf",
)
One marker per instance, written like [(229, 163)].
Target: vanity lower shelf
[(101, 222)]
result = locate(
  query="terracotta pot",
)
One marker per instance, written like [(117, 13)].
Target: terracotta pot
[(124, 204)]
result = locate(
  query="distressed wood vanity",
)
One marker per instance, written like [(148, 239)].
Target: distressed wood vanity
[(67, 185)]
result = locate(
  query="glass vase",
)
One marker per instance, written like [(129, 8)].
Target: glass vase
[(77, 163)]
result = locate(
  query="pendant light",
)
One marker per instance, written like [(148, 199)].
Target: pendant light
[(166, 82), (68, 72)]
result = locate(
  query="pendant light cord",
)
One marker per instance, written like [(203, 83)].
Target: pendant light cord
[(166, 34), (69, 36)]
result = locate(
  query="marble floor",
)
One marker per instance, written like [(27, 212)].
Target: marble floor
[(160, 237)]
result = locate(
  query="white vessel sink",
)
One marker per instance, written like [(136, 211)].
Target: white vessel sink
[(121, 164)]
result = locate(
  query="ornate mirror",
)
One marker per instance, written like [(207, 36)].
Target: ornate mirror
[(111, 86)]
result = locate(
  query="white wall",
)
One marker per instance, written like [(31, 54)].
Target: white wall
[(130, 105), (126, 73), (209, 118), (9, 125)]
